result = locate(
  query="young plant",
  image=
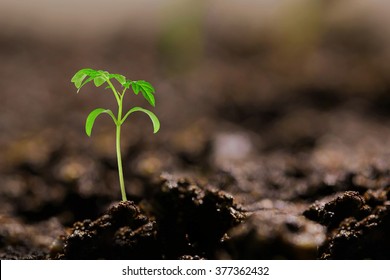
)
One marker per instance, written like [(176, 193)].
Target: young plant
[(100, 77)]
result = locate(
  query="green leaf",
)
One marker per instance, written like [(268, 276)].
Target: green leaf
[(104, 74), (79, 79), (147, 90), (127, 84), (92, 116), (135, 87), (120, 78), (146, 85), (149, 97), (152, 116), (80, 75), (99, 80)]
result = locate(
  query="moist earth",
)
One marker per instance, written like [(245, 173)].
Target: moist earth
[(244, 166)]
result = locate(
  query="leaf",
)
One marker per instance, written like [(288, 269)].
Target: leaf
[(92, 116), (87, 81), (99, 80), (104, 74), (120, 78), (146, 85), (149, 97), (79, 78), (80, 75), (152, 116), (135, 87), (126, 85), (147, 90)]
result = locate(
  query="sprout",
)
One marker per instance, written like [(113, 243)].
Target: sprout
[(100, 77)]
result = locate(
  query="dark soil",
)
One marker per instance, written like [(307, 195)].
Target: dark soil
[(249, 163), (182, 220)]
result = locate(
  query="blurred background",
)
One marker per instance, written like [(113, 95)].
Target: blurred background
[(234, 79)]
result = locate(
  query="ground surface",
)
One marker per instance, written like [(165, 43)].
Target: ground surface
[(249, 163)]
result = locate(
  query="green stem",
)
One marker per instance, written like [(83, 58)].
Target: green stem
[(119, 157), (118, 150), (116, 94)]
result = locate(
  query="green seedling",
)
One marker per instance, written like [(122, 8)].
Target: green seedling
[(100, 77)]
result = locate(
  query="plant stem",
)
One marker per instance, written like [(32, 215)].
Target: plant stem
[(118, 149), (119, 157)]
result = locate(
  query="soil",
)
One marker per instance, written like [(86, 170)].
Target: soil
[(247, 165)]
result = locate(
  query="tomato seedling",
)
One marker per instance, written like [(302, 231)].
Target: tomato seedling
[(100, 77)]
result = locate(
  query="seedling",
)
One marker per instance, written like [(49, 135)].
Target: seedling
[(100, 77)]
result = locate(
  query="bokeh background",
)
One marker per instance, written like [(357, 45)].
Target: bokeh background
[(233, 79)]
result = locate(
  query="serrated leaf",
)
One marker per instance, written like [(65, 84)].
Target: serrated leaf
[(91, 119), (152, 116)]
